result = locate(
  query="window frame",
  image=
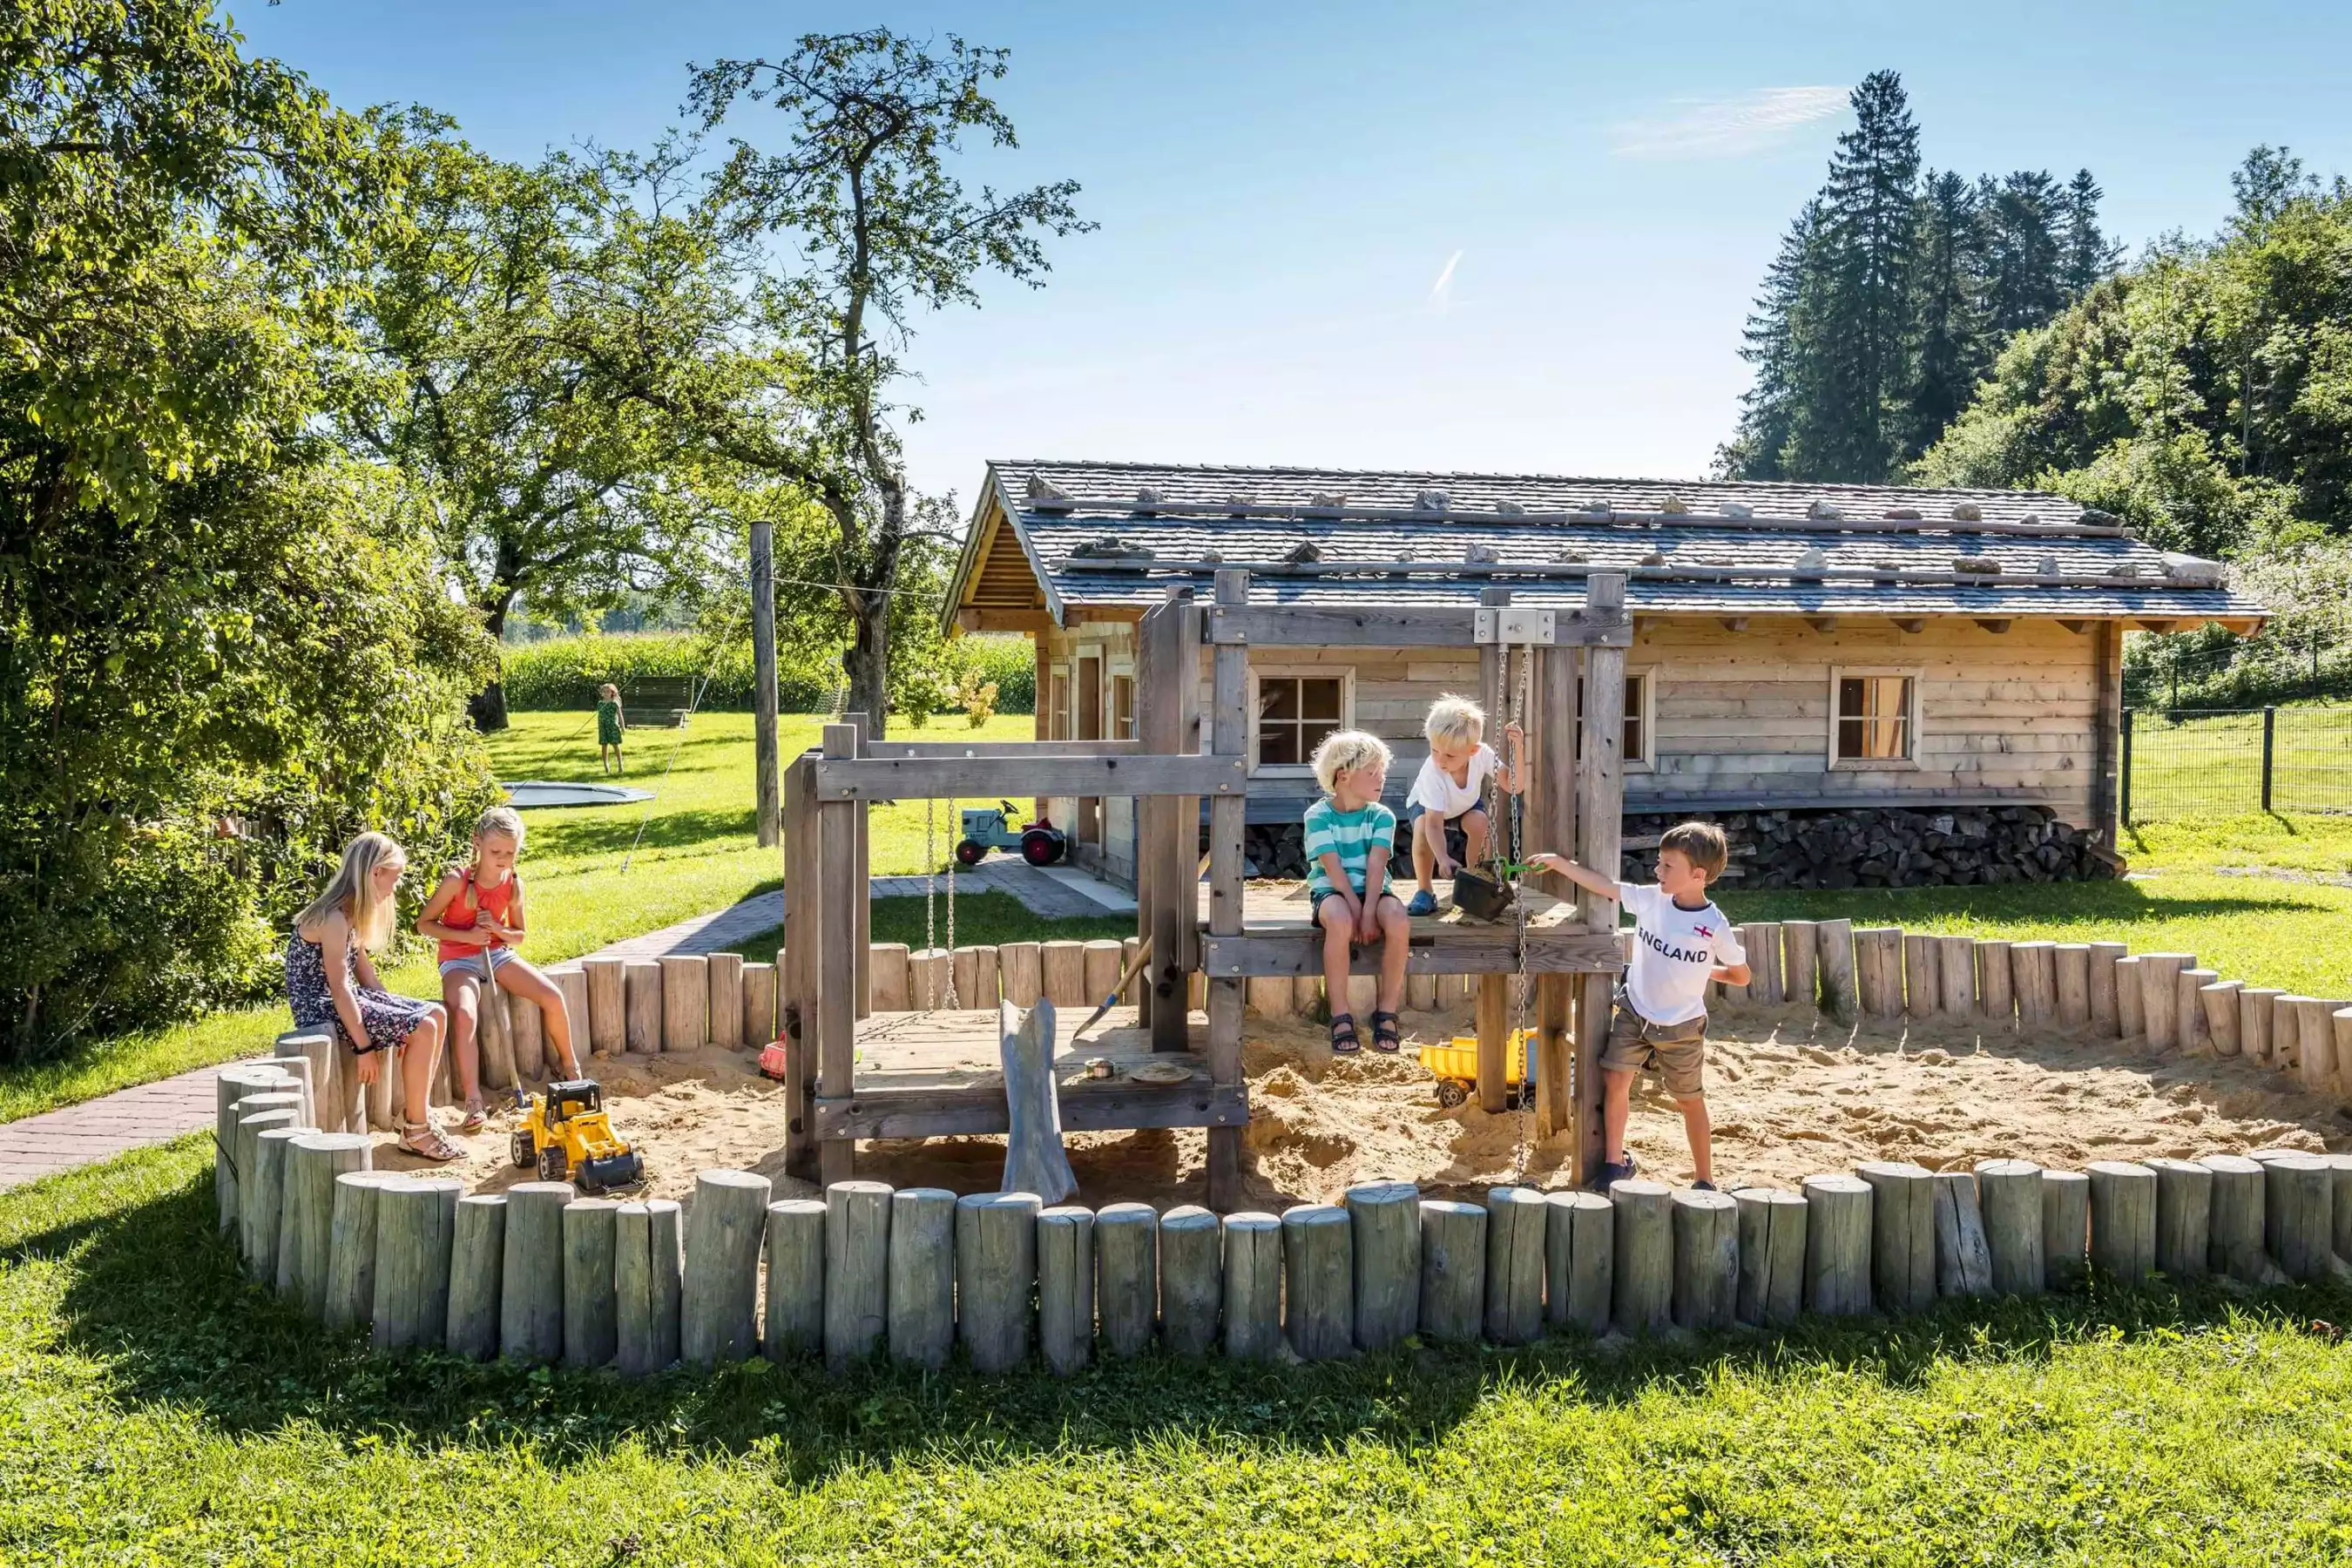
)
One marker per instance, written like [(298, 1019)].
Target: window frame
[(1344, 674), (1116, 670), (1644, 713), (1909, 761)]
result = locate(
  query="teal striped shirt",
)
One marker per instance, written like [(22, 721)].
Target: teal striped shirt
[(1350, 835)]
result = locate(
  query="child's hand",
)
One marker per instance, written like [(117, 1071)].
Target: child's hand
[(1550, 861), (1445, 867), (1368, 923), (1515, 734), (370, 1066)]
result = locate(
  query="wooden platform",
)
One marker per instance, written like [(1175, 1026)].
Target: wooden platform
[(931, 1075), (1279, 937)]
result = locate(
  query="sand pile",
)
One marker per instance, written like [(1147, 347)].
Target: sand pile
[(1790, 1094)]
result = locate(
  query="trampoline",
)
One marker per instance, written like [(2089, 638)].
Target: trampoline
[(530, 794)]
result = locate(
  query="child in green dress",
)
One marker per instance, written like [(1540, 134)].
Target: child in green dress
[(611, 725)]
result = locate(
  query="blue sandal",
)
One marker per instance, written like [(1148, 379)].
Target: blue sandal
[(1343, 1034)]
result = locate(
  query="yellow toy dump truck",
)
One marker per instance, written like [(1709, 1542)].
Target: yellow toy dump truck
[(1456, 1068), (568, 1135)]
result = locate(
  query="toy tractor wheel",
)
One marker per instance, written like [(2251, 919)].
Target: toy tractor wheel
[(968, 852), (1041, 847), (1451, 1094), (553, 1165), (524, 1154)]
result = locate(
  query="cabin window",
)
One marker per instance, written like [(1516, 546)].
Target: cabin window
[(1122, 706), (1640, 720), (1293, 710), (1873, 718), (1057, 704)]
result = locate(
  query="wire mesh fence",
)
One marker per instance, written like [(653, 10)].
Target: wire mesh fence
[(2227, 764)]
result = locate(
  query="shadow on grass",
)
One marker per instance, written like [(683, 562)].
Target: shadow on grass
[(160, 1301)]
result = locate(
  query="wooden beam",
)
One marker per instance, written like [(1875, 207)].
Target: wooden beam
[(1491, 1016), (1600, 831), (1994, 623), (1434, 626), (2077, 627), (2163, 628), (1822, 624), (945, 778), (1910, 623), (2107, 738), (835, 837), (1466, 950), (988, 618), (1228, 737), (1124, 506), (1032, 750)]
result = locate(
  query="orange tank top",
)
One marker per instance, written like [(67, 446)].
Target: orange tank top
[(462, 912)]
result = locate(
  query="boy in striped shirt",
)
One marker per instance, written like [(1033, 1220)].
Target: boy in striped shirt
[(1350, 837)]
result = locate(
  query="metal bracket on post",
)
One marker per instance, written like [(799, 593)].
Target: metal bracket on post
[(1508, 626)]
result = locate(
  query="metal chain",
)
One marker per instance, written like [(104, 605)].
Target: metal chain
[(956, 823), (931, 915)]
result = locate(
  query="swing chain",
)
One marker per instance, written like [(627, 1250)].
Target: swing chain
[(930, 909), (953, 1003)]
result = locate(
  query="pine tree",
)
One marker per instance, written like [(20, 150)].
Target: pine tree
[(2021, 218), (2086, 257), (1948, 311), (1766, 407)]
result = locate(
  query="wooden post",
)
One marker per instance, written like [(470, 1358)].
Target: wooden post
[(860, 882), (1923, 992), (836, 981), (2072, 960), (1963, 1252), (721, 1279), (889, 986), (2009, 1196), (2131, 1013), (2196, 1038), (2286, 1031), (2106, 1016), (351, 1249), (1772, 1244), (1065, 973), (1956, 974), (2218, 1002), (2123, 1219), (920, 1294), (996, 1277), (313, 1162), (495, 1039), (767, 814), (1902, 1233), (858, 1263), (1764, 982), (2340, 1180), (1600, 828), (643, 978), (1453, 1270), (686, 1002), (1017, 964), (2299, 1213), (2316, 1043), (1878, 969), (380, 1098), (592, 1306), (1801, 977), (316, 1050), (268, 1210), (2159, 977), (2184, 1216), (1319, 1280), (1127, 1276), (2034, 973), (2234, 1244), (1102, 960), (725, 1010), (759, 1025), (1833, 940), (257, 1223), (2065, 1227), (1274, 996), (1516, 1219), (1494, 1031), (231, 1085), (1735, 996), (1167, 688), (415, 1220), (1550, 823), (1837, 1243), (1191, 1279), (1065, 1287), (2254, 1020), (797, 977), (1580, 1260), (608, 1008), (929, 970), (527, 1028), (1706, 1258), (647, 1282), (572, 982), (1385, 1220), (1253, 1306), (1644, 1265), (795, 1296), (530, 1272), (1995, 984), (1228, 736)]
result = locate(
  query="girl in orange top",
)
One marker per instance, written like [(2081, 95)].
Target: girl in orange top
[(477, 916)]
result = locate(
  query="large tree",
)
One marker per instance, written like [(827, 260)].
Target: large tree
[(1949, 338)]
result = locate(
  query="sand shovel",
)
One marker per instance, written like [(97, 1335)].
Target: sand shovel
[(1142, 957)]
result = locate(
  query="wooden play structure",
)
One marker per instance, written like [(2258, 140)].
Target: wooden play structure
[(853, 1076)]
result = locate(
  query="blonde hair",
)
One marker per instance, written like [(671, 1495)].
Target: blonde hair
[(351, 893), (1701, 844), (501, 822), (609, 690), (1456, 718), (1347, 749)]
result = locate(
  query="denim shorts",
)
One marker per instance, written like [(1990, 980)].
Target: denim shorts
[(484, 964)]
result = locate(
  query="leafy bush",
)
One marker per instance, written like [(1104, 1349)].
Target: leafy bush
[(565, 672)]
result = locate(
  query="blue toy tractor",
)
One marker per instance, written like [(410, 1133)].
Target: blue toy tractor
[(990, 827)]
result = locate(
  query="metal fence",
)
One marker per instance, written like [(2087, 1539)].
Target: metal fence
[(2229, 762)]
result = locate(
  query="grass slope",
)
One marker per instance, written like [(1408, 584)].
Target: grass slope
[(163, 1410)]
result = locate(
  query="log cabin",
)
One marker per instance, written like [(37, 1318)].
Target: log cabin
[(1868, 685)]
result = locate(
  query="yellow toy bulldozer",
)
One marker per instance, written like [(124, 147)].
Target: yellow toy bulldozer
[(568, 1135), (1455, 1065)]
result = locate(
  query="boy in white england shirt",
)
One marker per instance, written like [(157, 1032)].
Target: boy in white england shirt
[(1681, 942)]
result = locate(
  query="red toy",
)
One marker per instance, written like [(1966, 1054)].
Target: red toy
[(772, 1061)]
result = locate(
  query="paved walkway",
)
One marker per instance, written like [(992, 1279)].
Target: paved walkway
[(158, 1112)]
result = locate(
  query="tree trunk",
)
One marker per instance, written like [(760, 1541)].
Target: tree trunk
[(488, 707), (865, 662)]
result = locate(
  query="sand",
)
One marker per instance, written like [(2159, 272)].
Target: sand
[(1789, 1094)]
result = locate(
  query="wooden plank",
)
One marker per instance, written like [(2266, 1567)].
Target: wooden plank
[(837, 964), (1551, 824), (913, 778), (1387, 626), (1228, 737), (943, 751), (796, 970), (1108, 1106), (1301, 955)]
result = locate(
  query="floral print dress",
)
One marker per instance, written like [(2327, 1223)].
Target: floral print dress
[(389, 1019)]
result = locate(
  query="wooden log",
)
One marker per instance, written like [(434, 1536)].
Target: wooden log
[(1127, 1277), (2316, 1043), (2123, 1219), (643, 979), (1191, 1279), (1319, 1280), (1275, 995), (2196, 1040), (1062, 969), (351, 1249), (258, 1112), (1706, 1258), (2340, 1180), (1453, 1270), (996, 1277), (230, 1085), (1878, 971), (857, 1264), (2131, 1003), (2217, 1000), (1252, 1298), (591, 1304), (1995, 984), (1801, 973), (758, 1005), (494, 1038), (415, 1223), (2033, 975), (2286, 1031), (271, 1145), (2065, 1227), (1385, 1221), (930, 972), (2160, 982), (477, 1253), (1837, 1243), (2255, 1004), (721, 1281), (983, 987), (608, 1006), (1516, 1218), (2299, 1213), (2340, 1031), (2106, 1014), (1101, 962), (685, 1001), (1771, 1239), (1036, 1160), (647, 1282), (297, 1070), (1065, 1285), (1834, 942), (315, 1051), (2184, 1217), (724, 1010), (1453, 993), (314, 1160), (918, 1294), (1420, 992), (1020, 973), (1956, 974), (795, 1294), (2072, 960), (2009, 1196), (1580, 1260), (2234, 1240), (381, 1096), (1644, 1284), (1963, 1252), (531, 1273), (572, 981), (888, 985), (1130, 950), (527, 1035), (1735, 996), (1767, 981), (1923, 989), (1902, 1235)]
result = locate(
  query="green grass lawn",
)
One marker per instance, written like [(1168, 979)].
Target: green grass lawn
[(160, 1410), (2206, 765)]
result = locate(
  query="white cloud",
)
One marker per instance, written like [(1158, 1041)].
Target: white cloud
[(1725, 126), (1441, 293)]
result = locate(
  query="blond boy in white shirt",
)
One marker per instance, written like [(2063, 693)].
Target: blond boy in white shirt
[(1446, 806)]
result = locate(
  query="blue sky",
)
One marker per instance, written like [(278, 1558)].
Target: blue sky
[(1508, 237)]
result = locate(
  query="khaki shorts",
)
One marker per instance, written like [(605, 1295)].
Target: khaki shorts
[(1675, 1052)]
